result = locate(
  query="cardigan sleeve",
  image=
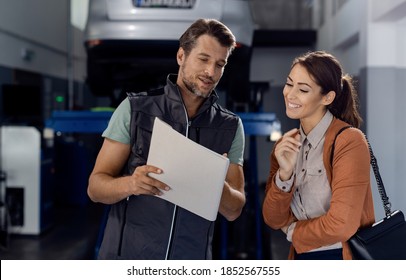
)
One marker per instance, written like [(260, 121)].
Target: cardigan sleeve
[(350, 184), (276, 206)]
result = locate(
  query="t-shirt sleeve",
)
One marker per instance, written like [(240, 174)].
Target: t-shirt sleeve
[(236, 153), (118, 128)]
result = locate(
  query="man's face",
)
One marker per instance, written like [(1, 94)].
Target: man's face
[(201, 70)]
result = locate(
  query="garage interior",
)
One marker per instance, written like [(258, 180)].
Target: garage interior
[(46, 214)]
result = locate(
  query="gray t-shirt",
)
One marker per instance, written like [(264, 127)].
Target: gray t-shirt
[(118, 129)]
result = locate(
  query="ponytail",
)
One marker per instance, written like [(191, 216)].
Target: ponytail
[(345, 105)]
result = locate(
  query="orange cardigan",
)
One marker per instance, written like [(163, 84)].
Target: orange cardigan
[(351, 202)]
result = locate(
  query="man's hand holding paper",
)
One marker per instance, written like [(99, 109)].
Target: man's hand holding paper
[(194, 173)]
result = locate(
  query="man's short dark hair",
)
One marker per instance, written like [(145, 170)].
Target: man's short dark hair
[(209, 27)]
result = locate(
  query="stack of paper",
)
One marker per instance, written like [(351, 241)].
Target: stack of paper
[(194, 173)]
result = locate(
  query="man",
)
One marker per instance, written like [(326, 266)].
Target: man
[(140, 224)]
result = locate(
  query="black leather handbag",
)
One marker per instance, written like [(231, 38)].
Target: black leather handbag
[(385, 239)]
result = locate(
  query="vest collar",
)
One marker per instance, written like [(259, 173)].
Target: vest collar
[(172, 90)]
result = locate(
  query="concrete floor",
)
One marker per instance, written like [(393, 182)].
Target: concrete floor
[(76, 232), (71, 237)]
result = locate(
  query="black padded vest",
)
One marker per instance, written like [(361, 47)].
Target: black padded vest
[(147, 227)]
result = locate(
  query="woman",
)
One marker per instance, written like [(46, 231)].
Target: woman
[(319, 204)]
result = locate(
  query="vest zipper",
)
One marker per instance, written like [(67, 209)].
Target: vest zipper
[(168, 248), (175, 209)]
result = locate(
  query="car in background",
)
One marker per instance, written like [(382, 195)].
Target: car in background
[(131, 45)]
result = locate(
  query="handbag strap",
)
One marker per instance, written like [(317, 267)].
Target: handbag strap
[(375, 168)]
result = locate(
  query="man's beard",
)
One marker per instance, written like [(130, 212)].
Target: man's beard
[(193, 87)]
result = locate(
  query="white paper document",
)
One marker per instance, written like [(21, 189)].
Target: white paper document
[(194, 173)]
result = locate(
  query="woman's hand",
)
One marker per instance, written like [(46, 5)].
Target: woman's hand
[(286, 153)]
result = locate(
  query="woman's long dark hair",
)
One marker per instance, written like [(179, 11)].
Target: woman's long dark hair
[(328, 73)]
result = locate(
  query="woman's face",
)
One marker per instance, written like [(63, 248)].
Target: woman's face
[(303, 98)]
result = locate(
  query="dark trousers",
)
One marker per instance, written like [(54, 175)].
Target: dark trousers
[(334, 254)]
